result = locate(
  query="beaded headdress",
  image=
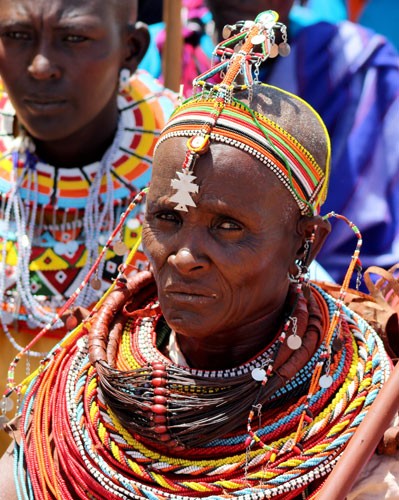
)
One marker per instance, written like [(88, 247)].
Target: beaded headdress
[(215, 115)]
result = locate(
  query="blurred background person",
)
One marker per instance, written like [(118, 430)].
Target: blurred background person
[(77, 132)]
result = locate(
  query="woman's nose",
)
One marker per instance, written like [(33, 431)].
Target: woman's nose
[(187, 261), (42, 68)]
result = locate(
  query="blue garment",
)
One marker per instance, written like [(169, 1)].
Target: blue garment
[(314, 12), (151, 62), (382, 16), (350, 75)]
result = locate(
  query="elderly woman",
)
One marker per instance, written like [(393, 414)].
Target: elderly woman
[(220, 372)]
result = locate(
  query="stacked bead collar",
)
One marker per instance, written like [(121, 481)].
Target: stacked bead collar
[(100, 456)]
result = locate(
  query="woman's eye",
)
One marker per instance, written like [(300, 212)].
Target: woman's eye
[(168, 217), (229, 225), (75, 38), (17, 35)]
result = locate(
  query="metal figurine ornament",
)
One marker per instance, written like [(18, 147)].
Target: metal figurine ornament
[(240, 53)]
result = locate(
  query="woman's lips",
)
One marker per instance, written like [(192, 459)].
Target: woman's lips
[(190, 295), (40, 105)]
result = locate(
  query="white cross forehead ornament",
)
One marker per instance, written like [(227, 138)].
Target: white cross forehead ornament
[(185, 185)]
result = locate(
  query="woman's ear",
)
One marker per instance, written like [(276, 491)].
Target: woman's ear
[(138, 40), (312, 228)]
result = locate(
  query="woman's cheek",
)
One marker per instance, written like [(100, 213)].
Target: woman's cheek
[(153, 248)]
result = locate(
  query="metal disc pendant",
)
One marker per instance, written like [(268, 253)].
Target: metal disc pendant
[(95, 283), (238, 47), (284, 49), (71, 322), (258, 374), (120, 248), (325, 381), (258, 39), (226, 31), (248, 24), (294, 342), (6, 405), (273, 51)]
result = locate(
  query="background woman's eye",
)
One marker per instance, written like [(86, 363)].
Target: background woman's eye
[(17, 35)]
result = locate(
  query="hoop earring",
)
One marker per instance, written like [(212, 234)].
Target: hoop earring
[(295, 278)]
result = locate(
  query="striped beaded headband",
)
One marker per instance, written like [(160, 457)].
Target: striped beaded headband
[(257, 135), (214, 114)]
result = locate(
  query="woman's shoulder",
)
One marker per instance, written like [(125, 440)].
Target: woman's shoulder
[(378, 480), (7, 484)]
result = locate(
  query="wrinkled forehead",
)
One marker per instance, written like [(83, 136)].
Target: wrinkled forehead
[(224, 173)]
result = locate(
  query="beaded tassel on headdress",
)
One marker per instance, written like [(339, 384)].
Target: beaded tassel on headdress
[(216, 115), (238, 55)]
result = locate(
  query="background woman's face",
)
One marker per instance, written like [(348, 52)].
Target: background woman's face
[(60, 61), (225, 262)]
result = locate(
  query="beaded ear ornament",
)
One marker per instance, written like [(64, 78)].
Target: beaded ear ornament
[(251, 44), (321, 378)]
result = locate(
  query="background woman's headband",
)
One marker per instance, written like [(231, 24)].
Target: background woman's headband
[(215, 115)]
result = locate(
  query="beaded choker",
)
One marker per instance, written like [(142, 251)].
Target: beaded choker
[(191, 406)]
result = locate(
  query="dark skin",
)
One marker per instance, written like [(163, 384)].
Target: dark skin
[(60, 62), (222, 267)]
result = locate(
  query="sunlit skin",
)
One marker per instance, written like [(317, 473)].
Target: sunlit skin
[(60, 62), (222, 267)]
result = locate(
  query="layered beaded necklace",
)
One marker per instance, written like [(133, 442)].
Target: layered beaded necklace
[(99, 454)]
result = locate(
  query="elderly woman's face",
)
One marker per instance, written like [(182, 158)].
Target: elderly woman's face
[(225, 262)]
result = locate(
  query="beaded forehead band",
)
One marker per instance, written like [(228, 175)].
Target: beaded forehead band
[(215, 115)]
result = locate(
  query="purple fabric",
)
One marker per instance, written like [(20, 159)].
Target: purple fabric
[(350, 75)]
